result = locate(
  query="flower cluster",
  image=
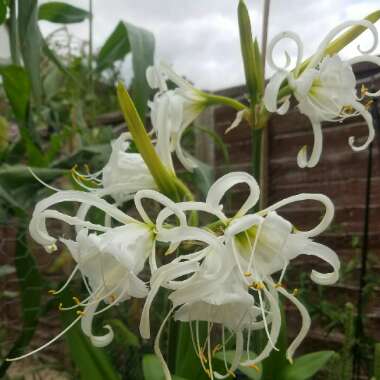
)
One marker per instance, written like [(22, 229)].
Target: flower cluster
[(232, 277), (324, 87), (229, 273)]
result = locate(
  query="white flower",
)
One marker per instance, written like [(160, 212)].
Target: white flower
[(110, 261), (124, 174), (234, 269), (172, 111), (325, 89)]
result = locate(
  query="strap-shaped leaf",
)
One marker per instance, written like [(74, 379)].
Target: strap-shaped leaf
[(124, 39), (17, 87), (30, 43), (152, 369), (61, 13), (3, 10), (306, 366)]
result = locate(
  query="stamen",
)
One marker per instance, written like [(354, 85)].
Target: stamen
[(295, 292), (247, 274), (76, 300), (217, 348), (60, 307), (254, 366), (231, 373), (51, 291), (80, 313), (46, 344), (278, 285)]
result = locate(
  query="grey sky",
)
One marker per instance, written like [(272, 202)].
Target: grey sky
[(200, 38)]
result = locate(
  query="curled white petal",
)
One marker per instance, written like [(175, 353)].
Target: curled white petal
[(86, 324), (328, 255), (324, 223), (302, 159), (272, 91), (294, 37), (160, 198), (334, 32), (225, 183), (237, 121), (37, 226), (371, 130), (305, 327)]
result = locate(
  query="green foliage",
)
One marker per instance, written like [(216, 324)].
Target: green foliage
[(306, 366), (251, 373), (3, 10), (127, 38), (30, 44), (93, 363), (152, 369), (123, 335), (31, 285), (17, 87), (61, 13), (115, 48)]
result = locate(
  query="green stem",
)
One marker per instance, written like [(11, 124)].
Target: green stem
[(163, 178), (13, 34), (218, 99)]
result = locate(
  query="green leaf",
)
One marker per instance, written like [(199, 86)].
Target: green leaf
[(152, 369), (61, 13), (203, 176), (17, 87), (31, 284), (251, 373), (247, 50), (307, 365), (123, 335), (275, 364), (186, 359), (30, 43), (115, 48), (3, 10), (93, 363), (142, 46), (129, 38)]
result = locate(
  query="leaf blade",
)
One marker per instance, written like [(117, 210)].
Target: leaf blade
[(61, 13)]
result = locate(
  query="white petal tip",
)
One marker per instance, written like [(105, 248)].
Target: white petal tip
[(302, 157)]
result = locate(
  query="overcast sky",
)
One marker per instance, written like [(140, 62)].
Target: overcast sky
[(200, 38)]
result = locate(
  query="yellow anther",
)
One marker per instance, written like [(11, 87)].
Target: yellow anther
[(257, 286), (80, 312), (278, 285), (216, 349), (254, 366), (60, 307), (208, 372), (231, 373), (202, 357), (247, 274), (87, 168), (112, 297), (51, 291), (295, 292), (368, 105), (363, 90), (76, 300)]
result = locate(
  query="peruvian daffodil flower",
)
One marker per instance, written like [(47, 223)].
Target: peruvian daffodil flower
[(264, 243), (124, 174), (230, 282), (324, 87), (172, 111), (109, 261)]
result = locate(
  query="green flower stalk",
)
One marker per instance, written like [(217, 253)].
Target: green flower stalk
[(165, 181)]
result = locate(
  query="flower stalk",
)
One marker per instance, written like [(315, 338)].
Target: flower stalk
[(166, 182)]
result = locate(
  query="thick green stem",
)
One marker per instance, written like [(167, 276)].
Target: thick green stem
[(13, 34), (164, 180), (217, 99)]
